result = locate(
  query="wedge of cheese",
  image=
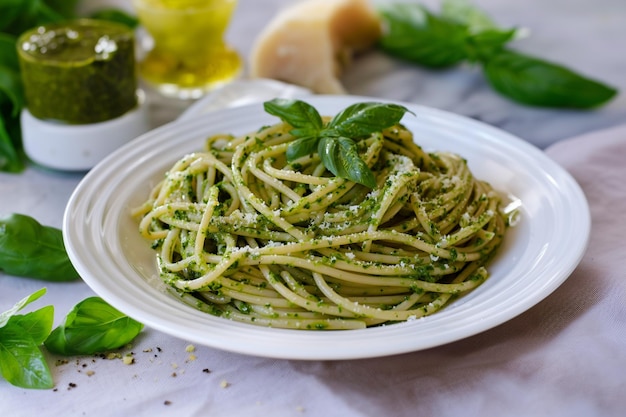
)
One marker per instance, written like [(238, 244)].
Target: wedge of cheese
[(310, 42)]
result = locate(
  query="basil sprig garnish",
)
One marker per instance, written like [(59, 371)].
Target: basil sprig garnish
[(335, 141), (463, 33), (93, 326)]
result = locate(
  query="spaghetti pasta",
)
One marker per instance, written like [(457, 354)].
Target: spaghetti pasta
[(242, 233)]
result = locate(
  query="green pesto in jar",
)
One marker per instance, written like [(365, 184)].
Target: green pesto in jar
[(78, 72)]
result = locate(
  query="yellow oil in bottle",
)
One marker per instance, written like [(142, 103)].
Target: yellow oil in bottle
[(189, 56)]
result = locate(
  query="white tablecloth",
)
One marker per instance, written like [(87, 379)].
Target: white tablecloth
[(564, 357)]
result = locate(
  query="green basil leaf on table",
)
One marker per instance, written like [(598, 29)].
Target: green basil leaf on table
[(21, 361), (483, 45), (37, 324), (92, 326), (6, 315), (30, 249), (537, 82), (414, 34), (464, 33)]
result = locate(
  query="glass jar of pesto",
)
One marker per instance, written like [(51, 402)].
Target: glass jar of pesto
[(78, 72)]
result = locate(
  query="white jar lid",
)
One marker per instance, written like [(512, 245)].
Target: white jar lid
[(80, 147)]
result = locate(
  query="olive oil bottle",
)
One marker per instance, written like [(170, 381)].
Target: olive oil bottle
[(188, 56)]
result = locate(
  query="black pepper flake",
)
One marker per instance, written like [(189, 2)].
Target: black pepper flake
[(206, 370), (167, 402), (159, 349), (71, 385)]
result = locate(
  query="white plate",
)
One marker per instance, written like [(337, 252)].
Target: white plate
[(241, 92), (539, 253)]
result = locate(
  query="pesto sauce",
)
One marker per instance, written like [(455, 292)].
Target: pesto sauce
[(78, 72)]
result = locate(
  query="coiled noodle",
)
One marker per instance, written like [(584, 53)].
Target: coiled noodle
[(243, 234)]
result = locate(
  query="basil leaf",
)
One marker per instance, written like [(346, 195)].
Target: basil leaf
[(10, 152), (484, 37), (21, 361), (116, 15), (37, 324), (463, 12), (536, 82), (8, 52), (11, 103), (5, 316), (30, 249), (363, 119), (47, 14), (338, 152), (92, 326), (11, 88), (328, 150), (483, 45), (305, 132), (301, 147), (296, 113), (414, 34), (340, 156), (16, 16), (66, 8)]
